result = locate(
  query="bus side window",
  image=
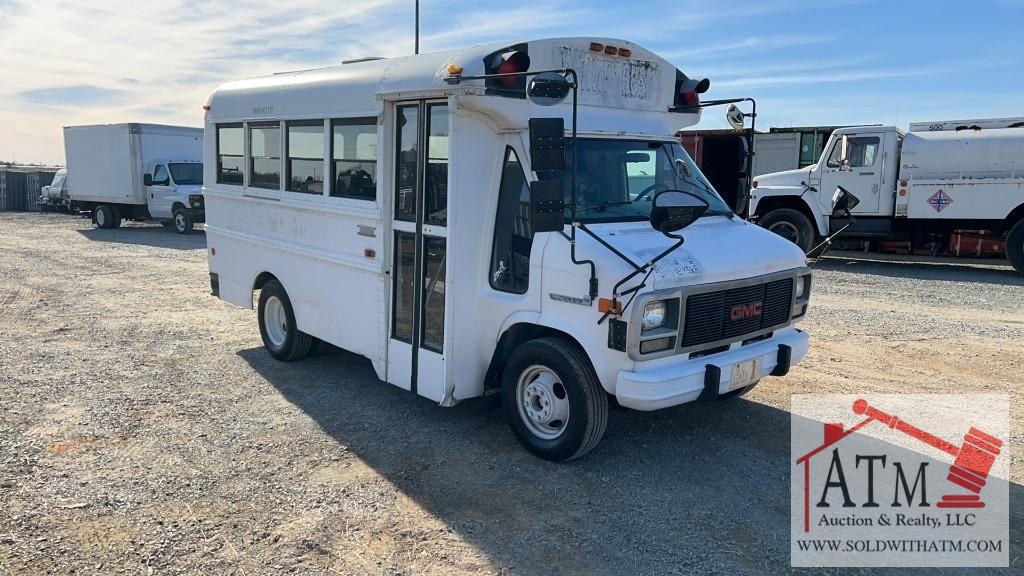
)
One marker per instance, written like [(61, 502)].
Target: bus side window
[(229, 154), (354, 158), (513, 235)]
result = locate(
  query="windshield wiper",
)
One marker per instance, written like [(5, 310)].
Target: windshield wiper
[(728, 213), (602, 206)]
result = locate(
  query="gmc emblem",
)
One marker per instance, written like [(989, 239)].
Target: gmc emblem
[(744, 311)]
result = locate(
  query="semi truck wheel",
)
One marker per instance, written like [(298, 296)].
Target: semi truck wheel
[(183, 221), (277, 325), (792, 225), (1015, 246), (107, 216), (553, 400)]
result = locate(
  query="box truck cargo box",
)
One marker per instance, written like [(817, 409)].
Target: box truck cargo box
[(136, 171)]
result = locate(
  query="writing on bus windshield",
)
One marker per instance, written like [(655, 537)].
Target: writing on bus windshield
[(617, 180)]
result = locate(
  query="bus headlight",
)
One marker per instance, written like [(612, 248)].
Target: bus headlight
[(802, 295), (654, 315)]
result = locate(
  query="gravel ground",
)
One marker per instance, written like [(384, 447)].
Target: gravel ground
[(143, 429)]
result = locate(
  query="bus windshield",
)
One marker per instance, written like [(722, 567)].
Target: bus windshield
[(190, 173), (618, 179)]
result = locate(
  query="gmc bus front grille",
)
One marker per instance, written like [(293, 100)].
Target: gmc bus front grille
[(733, 313)]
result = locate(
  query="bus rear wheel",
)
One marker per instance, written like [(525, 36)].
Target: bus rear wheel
[(553, 401), (280, 335)]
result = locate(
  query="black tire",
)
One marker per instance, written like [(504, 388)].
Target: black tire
[(1015, 246), (587, 415), (792, 225), (183, 221), (318, 347), (107, 216), (295, 344)]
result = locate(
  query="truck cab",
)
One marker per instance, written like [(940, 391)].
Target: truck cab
[(174, 194), (797, 204)]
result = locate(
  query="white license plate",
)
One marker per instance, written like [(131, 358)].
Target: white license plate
[(743, 374)]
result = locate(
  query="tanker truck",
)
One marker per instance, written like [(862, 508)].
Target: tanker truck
[(916, 186)]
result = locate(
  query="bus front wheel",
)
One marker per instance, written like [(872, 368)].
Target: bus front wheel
[(553, 400)]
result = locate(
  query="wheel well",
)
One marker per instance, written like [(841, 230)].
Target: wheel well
[(514, 336), (775, 202), (176, 206), (1015, 215), (262, 279)]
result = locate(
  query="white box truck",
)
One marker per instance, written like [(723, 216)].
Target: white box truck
[(425, 213), (939, 177), (138, 172)]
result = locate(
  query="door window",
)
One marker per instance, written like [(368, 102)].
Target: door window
[(861, 151), (837, 153), (405, 287), (513, 235), (434, 259), (435, 195), (406, 175), (160, 177)]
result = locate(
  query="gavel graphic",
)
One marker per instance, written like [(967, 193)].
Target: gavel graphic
[(973, 460)]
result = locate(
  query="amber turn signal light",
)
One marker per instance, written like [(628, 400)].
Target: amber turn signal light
[(604, 306)]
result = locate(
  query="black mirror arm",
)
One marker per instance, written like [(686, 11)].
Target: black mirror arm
[(572, 194), (648, 267), (827, 242)]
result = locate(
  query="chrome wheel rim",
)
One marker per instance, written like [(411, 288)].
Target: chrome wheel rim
[(179, 221), (543, 402), (275, 321), (787, 230), (101, 219)]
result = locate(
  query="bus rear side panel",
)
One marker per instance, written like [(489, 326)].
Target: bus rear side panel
[(325, 258)]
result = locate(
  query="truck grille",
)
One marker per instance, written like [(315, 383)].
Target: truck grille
[(733, 313)]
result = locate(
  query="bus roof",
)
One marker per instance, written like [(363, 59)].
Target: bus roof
[(619, 75)]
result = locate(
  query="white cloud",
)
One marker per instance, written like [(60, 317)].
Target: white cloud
[(69, 63)]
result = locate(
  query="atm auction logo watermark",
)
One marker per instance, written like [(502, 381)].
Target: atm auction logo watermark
[(900, 480)]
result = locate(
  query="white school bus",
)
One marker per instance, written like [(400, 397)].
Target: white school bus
[(458, 220)]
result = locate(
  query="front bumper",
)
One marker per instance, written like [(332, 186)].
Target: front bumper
[(707, 377)]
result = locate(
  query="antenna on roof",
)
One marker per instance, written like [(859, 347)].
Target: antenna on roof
[(417, 27)]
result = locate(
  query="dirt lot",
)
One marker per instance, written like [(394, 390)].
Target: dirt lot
[(143, 429)]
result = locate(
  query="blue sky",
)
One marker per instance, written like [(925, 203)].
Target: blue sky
[(807, 63)]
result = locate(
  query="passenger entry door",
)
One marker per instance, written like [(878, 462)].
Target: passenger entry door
[(419, 263)]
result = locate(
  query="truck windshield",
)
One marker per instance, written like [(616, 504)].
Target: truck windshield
[(617, 179), (190, 173)]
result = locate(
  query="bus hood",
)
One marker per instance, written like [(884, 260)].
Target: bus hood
[(716, 249)]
